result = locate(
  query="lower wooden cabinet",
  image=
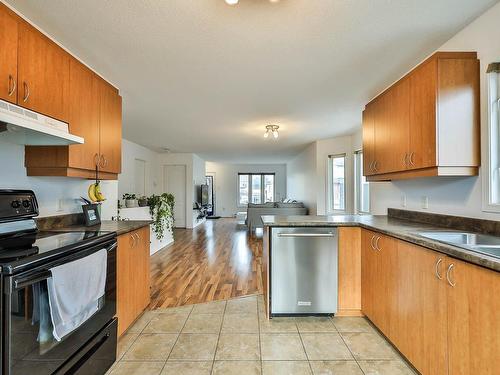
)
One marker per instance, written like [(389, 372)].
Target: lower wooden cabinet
[(133, 285), (421, 333), (473, 318), (378, 263), (441, 313)]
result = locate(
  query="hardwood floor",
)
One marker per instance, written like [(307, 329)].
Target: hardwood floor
[(217, 260)]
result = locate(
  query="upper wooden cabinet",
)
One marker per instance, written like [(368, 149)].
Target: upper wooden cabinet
[(95, 115), (414, 128), (43, 74), (37, 74), (8, 55), (110, 129)]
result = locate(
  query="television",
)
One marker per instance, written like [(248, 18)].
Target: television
[(203, 197)]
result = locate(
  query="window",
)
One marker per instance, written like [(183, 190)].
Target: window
[(494, 136), (361, 186), (255, 188), (336, 172)]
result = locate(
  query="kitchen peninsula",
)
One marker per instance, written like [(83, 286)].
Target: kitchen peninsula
[(420, 292)]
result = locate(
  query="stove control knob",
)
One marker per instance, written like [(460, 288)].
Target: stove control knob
[(16, 204), (26, 203)]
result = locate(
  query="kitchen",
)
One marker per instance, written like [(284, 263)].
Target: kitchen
[(412, 285)]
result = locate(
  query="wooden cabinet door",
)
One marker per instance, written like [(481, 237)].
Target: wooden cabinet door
[(8, 55), (83, 116), (143, 296), (368, 273), (422, 130), (43, 74), (385, 294), (126, 310), (398, 98), (382, 129), (110, 128), (473, 319), (368, 140), (421, 320)]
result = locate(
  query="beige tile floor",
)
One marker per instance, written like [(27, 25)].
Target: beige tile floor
[(234, 337)]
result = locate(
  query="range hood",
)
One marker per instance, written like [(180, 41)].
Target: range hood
[(25, 127)]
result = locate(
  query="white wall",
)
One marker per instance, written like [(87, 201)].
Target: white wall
[(127, 180), (226, 183), (307, 174), (301, 178), (458, 196), (56, 195)]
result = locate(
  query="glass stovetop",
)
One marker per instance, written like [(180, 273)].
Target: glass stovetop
[(30, 244)]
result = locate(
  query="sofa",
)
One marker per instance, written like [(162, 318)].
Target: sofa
[(255, 211)]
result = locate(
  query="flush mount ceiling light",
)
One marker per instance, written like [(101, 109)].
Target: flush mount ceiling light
[(234, 2), (272, 129)]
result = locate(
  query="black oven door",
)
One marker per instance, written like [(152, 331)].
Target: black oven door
[(28, 345)]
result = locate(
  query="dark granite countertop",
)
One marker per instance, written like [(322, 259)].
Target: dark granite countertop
[(120, 227), (394, 227)]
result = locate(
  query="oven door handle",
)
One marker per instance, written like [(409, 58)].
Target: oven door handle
[(32, 279), (23, 282)]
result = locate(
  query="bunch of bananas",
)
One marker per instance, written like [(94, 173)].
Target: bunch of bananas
[(95, 193)]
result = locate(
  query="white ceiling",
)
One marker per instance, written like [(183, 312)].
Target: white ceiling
[(202, 76)]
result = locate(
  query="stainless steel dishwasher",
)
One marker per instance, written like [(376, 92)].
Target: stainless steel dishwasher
[(304, 269)]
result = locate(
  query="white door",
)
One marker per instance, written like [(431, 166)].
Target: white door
[(175, 184), (140, 177)]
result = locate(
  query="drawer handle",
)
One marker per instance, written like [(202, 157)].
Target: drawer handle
[(448, 275), (26, 92), (436, 269), (330, 234), (12, 85)]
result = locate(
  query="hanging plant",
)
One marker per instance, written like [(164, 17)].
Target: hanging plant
[(161, 208)]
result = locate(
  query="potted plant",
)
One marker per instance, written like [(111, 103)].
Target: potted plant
[(161, 208), (143, 201), (130, 200)]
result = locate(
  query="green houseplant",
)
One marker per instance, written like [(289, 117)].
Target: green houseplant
[(130, 200), (161, 208)]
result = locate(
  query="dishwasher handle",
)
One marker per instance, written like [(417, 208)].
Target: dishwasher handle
[(329, 234)]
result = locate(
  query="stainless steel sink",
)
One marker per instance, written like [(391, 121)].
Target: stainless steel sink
[(480, 243)]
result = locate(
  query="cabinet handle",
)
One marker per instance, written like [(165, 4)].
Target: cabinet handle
[(375, 166), (134, 240), (12, 85), (436, 269), (137, 237), (104, 161), (376, 244), (26, 92), (96, 159), (411, 158), (448, 274), (405, 160), (371, 242)]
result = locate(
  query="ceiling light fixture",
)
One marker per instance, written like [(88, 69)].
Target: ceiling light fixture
[(232, 2), (272, 129)]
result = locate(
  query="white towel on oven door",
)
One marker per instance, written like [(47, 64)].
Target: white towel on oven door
[(74, 292)]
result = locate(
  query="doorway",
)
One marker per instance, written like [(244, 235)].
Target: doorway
[(210, 181), (175, 184)]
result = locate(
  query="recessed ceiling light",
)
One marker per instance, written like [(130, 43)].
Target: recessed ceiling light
[(232, 2)]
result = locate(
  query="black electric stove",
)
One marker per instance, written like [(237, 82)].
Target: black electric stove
[(27, 256)]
